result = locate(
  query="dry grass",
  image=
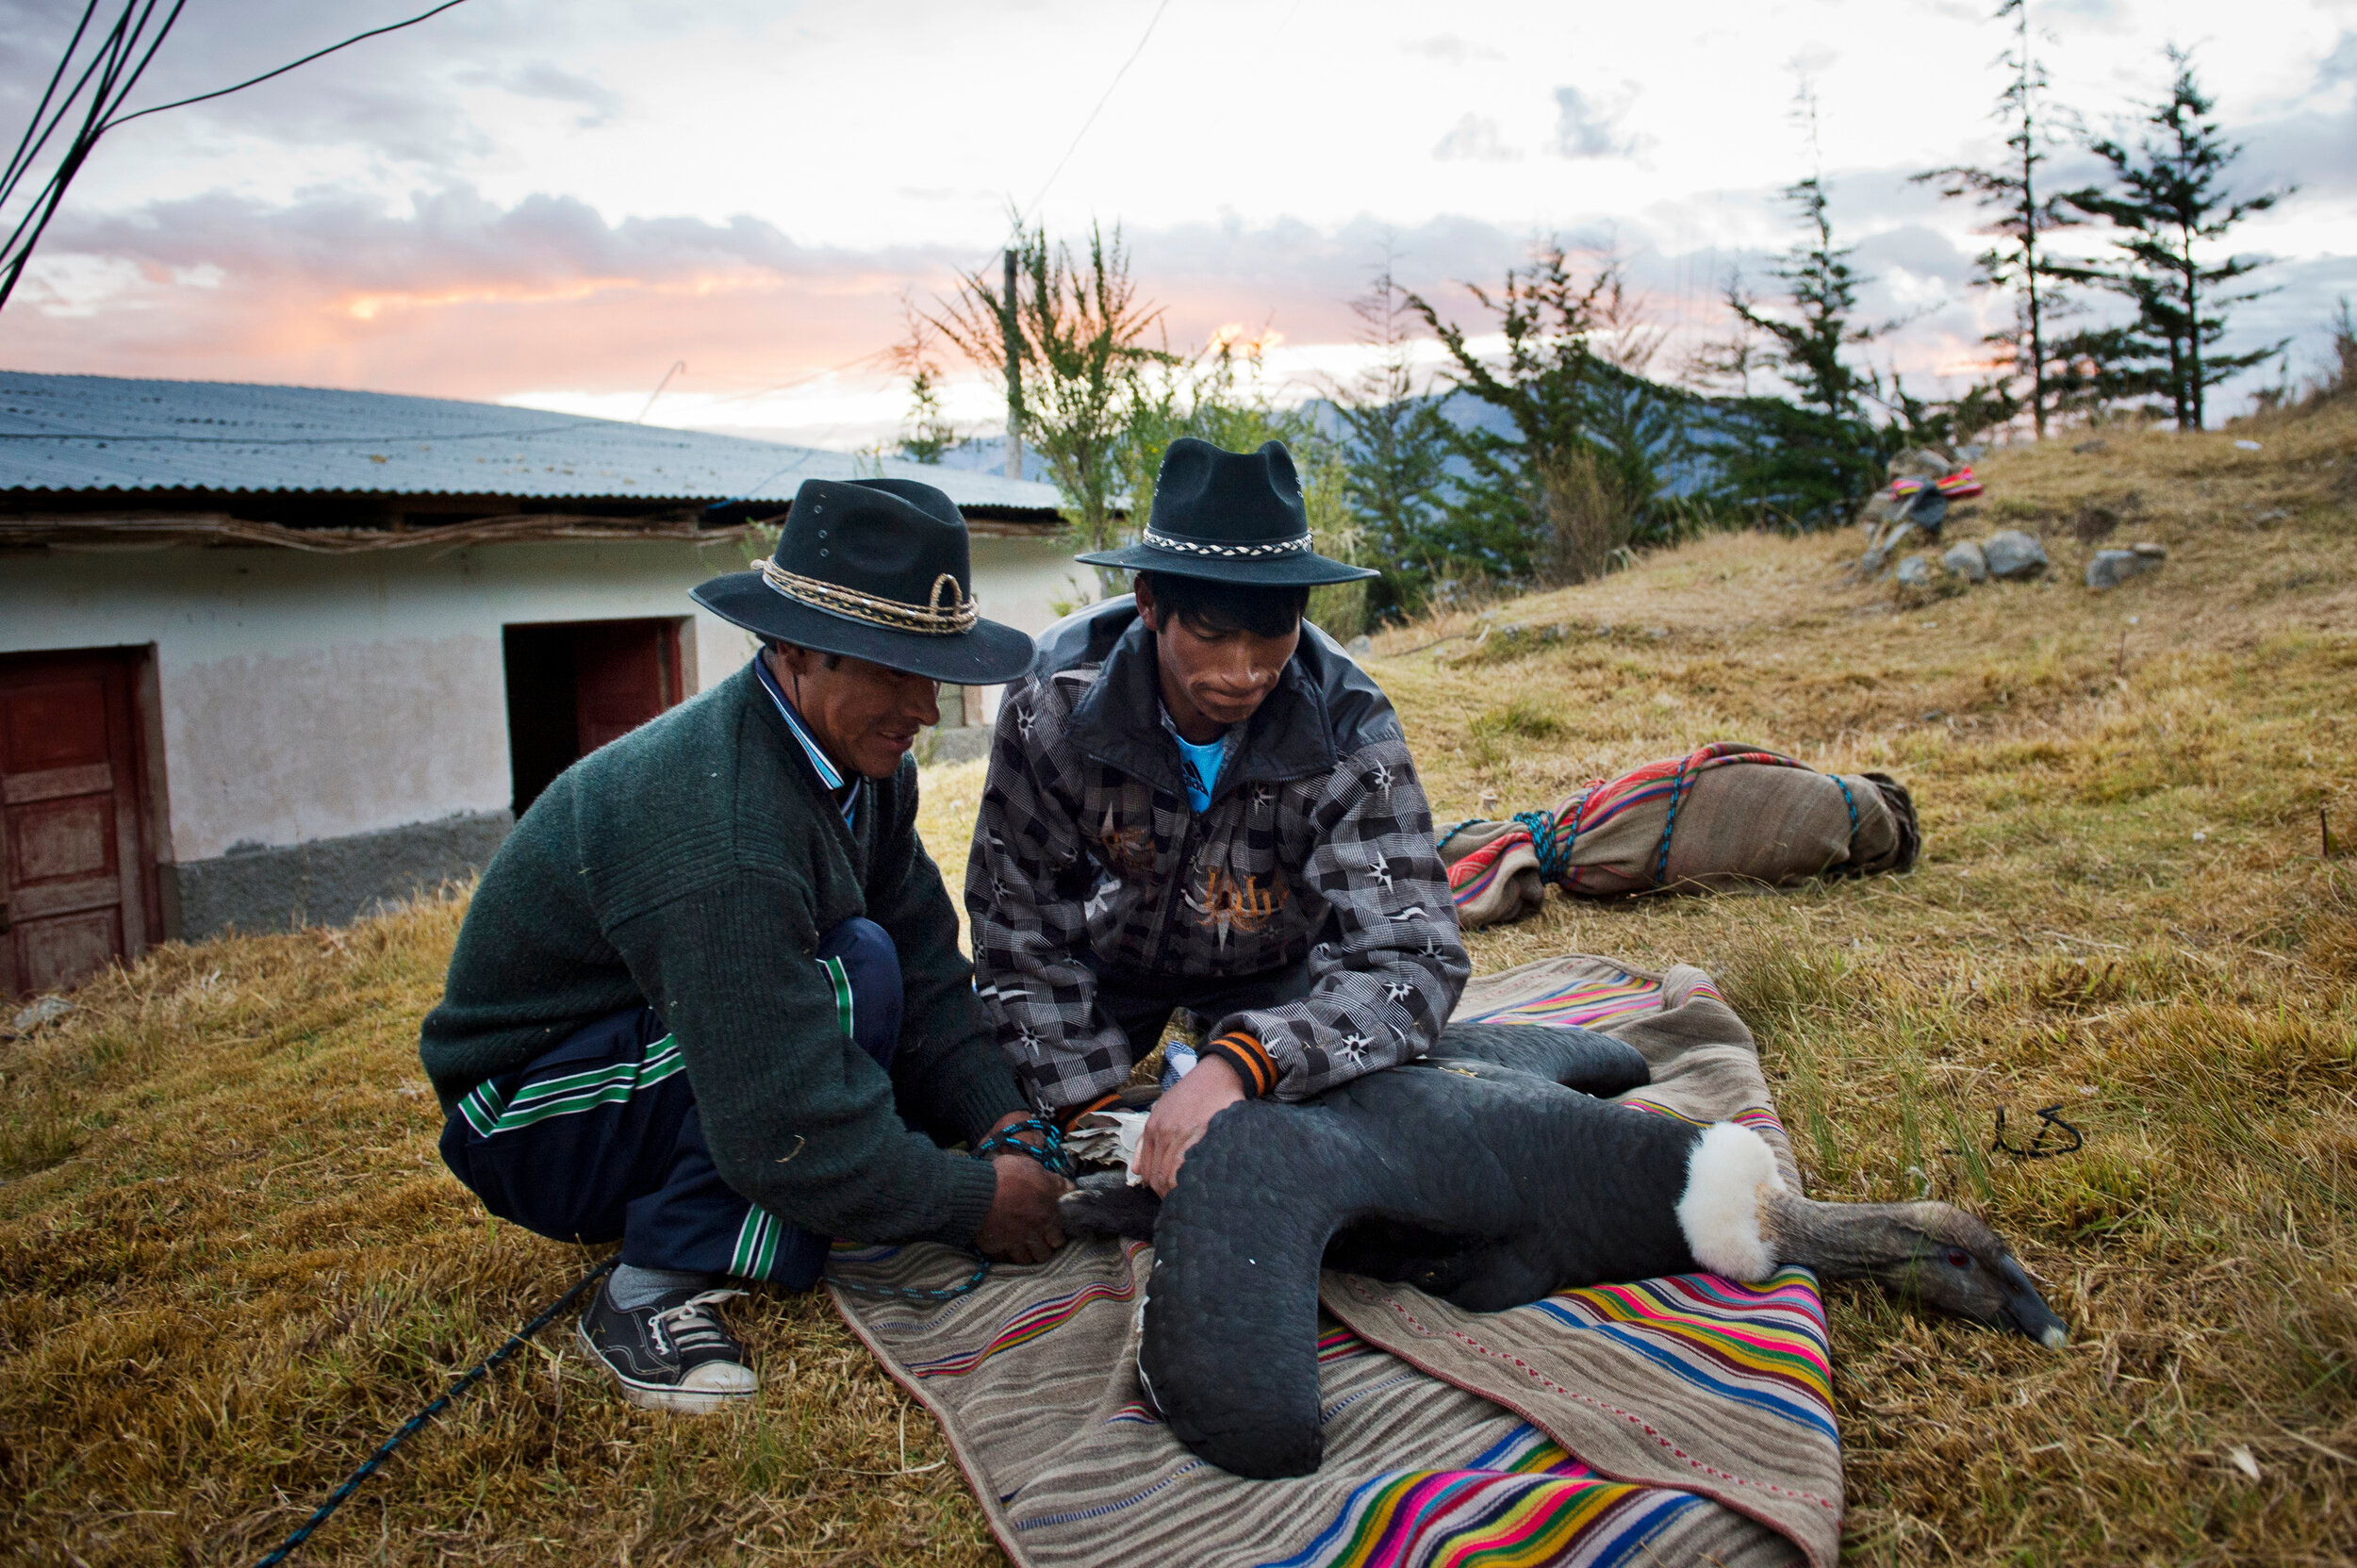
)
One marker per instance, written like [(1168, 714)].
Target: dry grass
[(231, 1261)]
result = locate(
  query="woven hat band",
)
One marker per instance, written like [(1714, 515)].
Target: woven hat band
[(1172, 542), (935, 619)]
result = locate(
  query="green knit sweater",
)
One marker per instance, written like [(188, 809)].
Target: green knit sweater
[(692, 866)]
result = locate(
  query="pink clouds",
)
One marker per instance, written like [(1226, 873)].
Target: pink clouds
[(458, 297)]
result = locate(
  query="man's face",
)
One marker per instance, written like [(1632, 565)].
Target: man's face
[(864, 716), (1223, 676)]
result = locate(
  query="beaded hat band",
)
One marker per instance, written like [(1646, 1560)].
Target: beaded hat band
[(1228, 551)]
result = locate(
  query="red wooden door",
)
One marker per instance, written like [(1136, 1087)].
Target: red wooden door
[(75, 868), (624, 673)]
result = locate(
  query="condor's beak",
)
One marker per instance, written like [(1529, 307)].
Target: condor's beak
[(2027, 1310)]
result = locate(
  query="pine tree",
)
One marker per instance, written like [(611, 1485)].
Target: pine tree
[(1394, 447), (1808, 460), (2016, 262), (926, 433), (1541, 502), (2170, 208), (1808, 341)]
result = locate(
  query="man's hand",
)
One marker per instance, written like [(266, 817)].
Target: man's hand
[(1021, 1226), (1179, 1117)]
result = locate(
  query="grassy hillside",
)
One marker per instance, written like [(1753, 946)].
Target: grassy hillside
[(230, 1262)]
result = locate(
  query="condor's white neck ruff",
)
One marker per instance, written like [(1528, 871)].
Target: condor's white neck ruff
[(1728, 1178)]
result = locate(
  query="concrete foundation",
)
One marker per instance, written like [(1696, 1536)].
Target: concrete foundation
[(328, 882)]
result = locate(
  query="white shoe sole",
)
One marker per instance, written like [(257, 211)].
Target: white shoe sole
[(667, 1396)]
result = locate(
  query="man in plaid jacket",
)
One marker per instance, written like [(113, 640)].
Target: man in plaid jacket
[(1196, 799)]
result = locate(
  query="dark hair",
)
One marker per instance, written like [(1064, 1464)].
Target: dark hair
[(832, 661), (1211, 607)]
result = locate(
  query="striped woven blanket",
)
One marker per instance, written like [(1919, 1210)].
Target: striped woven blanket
[(1723, 816), (1665, 1421)]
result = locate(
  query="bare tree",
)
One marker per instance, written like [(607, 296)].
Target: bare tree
[(1079, 328)]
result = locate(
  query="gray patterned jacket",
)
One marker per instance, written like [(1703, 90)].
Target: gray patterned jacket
[(1317, 846)]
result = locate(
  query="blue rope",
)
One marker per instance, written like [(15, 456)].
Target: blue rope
[(1849, 865), (1678, 795), (1455, 831), (913, 1293), (516, 1342), (1050, 1153), (1553, 857)]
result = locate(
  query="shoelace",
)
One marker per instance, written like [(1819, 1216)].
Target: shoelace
[(689, 1326)]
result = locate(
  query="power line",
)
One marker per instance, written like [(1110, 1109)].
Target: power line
[(113, 66), (121, 55), (677, 366), (1102, 100), (1023, 215), (315, 53)]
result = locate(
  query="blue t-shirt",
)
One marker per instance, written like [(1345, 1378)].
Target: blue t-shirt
[(1201, 765)]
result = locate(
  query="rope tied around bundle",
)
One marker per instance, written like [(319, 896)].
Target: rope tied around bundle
[(1849, 865), (1554, 856), (1678, 787), (1455, 831)]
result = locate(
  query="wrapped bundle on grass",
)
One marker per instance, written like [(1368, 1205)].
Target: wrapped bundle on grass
[(1726, 816)]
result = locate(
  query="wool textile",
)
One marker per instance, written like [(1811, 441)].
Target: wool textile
[(1673, 1420), (1723, 816)]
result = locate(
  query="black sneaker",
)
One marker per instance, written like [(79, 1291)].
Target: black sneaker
[(672, 1354)]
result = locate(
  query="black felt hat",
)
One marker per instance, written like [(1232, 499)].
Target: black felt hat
[(879, 570), (1231, 517)]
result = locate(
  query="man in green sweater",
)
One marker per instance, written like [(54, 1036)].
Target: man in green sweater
[(708, 997)]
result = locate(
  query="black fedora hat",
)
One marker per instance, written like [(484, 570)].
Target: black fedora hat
[(1231, 517), (879, 570)]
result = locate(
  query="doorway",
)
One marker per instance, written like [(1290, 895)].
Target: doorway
[(79, 887), (574, 686)]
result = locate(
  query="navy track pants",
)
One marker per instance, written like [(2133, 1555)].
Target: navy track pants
[(599, 1137)]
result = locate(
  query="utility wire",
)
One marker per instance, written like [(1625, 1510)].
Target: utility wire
[(116, 75), (315, 53), (1102, 100), (1023, 215), (27, 148), (115, 67)]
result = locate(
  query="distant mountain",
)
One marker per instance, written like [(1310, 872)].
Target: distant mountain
[(1710, 423)]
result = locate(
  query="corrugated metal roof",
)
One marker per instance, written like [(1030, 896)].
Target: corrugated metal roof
[(105, 433)]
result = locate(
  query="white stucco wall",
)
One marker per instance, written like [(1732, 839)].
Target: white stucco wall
[(1015, 582), (308, 696), (1015, 579), (311, 697)]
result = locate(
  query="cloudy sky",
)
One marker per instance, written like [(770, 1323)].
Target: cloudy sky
[(551, 204)]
